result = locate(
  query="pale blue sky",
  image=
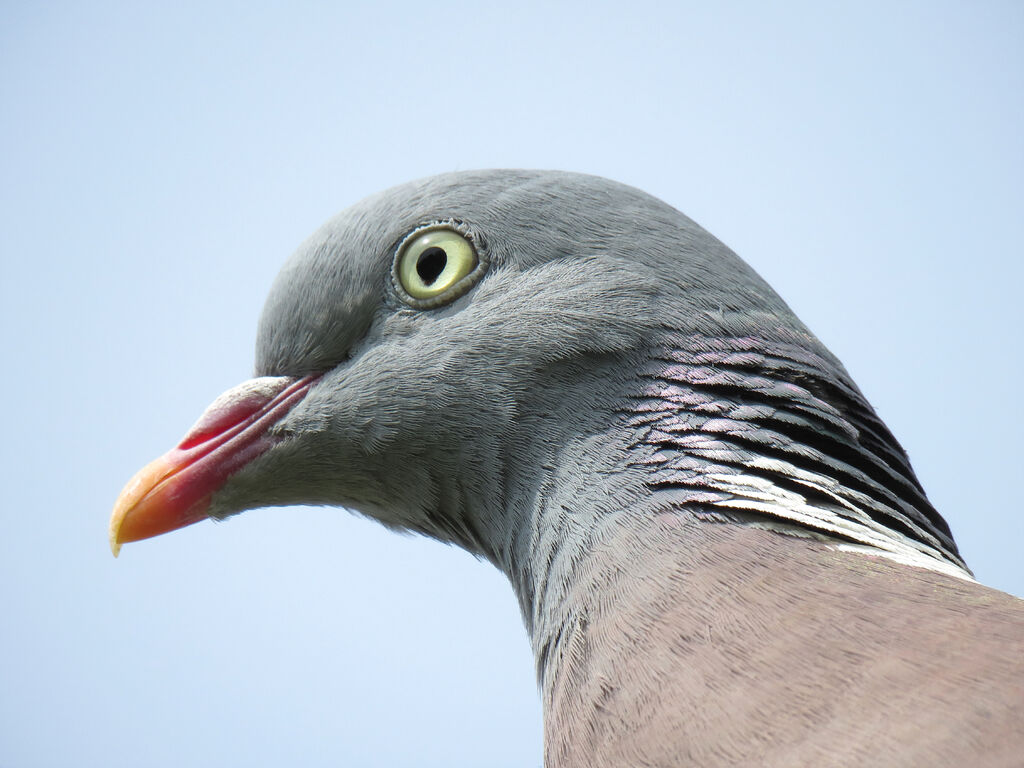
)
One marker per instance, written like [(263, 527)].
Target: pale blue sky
[(158, 164)]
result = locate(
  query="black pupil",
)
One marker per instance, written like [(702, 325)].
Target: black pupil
[(431, 264)]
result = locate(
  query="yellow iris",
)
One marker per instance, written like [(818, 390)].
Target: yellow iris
[(433, 261)]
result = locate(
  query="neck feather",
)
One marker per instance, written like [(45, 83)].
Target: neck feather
[(752, 431)]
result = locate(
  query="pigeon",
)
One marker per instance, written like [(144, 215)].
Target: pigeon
[(722, 555)]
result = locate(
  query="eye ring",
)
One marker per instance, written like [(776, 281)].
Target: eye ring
[(437, 263)]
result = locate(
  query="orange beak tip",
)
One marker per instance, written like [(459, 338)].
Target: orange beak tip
[(125, 517)]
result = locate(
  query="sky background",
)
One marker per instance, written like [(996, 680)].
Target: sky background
[(158, 163)]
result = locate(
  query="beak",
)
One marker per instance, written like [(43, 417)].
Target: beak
[(175, 490)]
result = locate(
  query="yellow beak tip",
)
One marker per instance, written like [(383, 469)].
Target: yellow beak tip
[(136, 489), (115, 529), (121, 509)]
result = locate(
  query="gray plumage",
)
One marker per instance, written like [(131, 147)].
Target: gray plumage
[(721, 554)]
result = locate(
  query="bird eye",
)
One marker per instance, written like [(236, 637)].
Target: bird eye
[(436, 264)]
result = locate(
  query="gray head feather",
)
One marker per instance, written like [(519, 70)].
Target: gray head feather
[(616, 359)]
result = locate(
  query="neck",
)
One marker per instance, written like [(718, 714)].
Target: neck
[(765, 432), (715, 510)]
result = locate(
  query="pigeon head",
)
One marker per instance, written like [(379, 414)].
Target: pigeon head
[(485, 356)]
